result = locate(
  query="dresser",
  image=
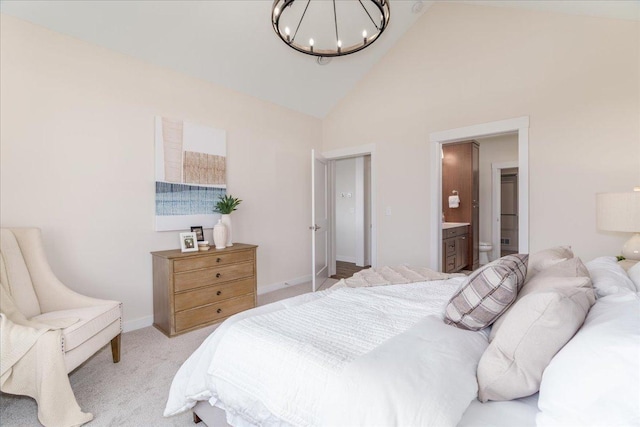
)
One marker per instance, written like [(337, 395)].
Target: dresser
[(196, 289)]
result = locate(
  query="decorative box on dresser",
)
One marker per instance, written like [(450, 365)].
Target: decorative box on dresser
[(195, 289)]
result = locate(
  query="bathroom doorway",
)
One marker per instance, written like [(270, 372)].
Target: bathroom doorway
[(518, 127), (508, 211)]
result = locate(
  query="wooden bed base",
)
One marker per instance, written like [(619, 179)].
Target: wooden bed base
[(209, 415)]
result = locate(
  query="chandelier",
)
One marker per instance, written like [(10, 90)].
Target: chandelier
[(328, 28)]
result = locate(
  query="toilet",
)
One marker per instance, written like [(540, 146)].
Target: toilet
[(484, 250)]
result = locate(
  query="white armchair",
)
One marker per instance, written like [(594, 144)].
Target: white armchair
[(40, 296)]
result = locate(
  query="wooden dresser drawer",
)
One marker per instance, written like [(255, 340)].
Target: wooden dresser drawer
[(455, 231), (212, 260), (210, 276), (209, 313), (196, 289), (213, 294), (449, 247), (450, 264)]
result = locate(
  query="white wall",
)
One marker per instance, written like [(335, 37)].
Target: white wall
[(496, 149), (345, 210), (576, 77), (77, 160)]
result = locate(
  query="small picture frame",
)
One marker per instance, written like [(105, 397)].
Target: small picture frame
[(188, 242), (199, 232)]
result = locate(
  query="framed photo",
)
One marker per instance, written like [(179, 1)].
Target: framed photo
[(188, 242), (199, 232)]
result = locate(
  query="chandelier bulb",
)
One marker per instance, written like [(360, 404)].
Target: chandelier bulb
[(276, 11), (364, 36), (311, 44), (287, 32)]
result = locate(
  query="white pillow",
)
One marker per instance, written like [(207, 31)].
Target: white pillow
[(634, 275), (608, 277), (595, 379)]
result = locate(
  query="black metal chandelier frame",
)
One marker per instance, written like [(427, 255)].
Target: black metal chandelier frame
[(282, 6)]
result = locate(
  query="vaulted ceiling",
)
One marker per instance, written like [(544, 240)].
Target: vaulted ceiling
[(231, 42)]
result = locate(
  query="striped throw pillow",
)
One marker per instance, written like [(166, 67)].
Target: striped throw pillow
[(487, 293)]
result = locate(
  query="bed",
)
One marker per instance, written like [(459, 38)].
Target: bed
[(382, 355)]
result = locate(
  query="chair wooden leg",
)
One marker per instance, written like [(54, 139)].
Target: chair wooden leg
[(115, 348), (196, 418)]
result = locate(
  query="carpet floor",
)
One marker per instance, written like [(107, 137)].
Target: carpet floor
[(133, 392)]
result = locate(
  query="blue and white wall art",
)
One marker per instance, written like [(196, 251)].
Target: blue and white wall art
[(191, 173)]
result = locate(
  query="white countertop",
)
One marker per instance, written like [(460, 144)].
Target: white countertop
[(447, 225)]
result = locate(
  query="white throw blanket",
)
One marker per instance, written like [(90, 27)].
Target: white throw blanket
[(303, 364), (393, 275), (32, 364)]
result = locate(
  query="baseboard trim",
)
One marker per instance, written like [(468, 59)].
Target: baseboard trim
[(281, 285), (132, 325), (346, 259)]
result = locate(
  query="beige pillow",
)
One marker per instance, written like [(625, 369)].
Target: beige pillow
[(539, 325), (542, 260), (487, 293), (571, 273), (572, 267)]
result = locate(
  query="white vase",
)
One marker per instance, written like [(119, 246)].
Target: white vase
[(220, 235), (226, 220)]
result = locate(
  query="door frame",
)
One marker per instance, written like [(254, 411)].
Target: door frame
[(315, 158), (437, 139), (345, 153), (496, 197)]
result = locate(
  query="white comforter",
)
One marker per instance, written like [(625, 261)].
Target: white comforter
[(373, 356)]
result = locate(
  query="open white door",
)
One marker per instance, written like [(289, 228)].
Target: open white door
[(319, 220)]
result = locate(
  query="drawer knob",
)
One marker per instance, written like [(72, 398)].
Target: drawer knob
[(219, 311), (218, 259), (219, 293), (218, 275)]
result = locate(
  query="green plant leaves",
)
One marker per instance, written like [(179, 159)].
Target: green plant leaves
[(226, 204)]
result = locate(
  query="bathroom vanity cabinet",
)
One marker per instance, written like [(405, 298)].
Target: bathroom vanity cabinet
[(460, 175), (455, 249)]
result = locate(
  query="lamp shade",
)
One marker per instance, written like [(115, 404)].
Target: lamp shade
[(618, 211)]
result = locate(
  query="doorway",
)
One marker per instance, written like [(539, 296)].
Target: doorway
[(520, 126), (509, 211), (505, 211), (352, 209), (357, 210)]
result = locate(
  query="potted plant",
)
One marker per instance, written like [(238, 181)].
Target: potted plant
[(225, 206)]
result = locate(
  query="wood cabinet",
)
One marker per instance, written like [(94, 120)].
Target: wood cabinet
[(461, 173), (455, 249), (196, 289)]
